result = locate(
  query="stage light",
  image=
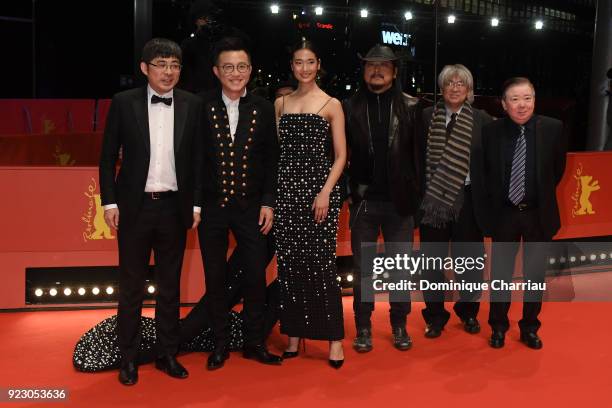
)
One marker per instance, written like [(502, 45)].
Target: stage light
[(451, 19), (552, 261), (294, 16), (408, 15), (67, 292), (339, 278), (274, 8), (539, 25), (318, 10), (82, 291), (364, 13), (38, 292), (494, 22), (610, 254), (109, 290), (53, 292), (95, 291), (349, 277), (192, 35), (151, 289), (348, 87), (572, 259), (582, 258), (603, 256), (593, 257)]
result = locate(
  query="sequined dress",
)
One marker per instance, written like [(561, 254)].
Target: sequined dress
[(310, 294)]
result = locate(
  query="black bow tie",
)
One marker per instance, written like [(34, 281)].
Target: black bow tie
[(157, 99)]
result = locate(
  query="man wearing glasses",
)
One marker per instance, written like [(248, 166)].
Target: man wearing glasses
[(240, 170), (153, 200)]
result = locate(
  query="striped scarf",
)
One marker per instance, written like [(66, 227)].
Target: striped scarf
[(447, 165)]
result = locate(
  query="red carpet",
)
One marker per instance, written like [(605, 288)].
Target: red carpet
[(456, 370)]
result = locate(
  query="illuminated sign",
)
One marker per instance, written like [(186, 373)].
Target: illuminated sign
[(395, 38)]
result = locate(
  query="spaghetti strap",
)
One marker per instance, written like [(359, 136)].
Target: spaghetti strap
[(325, 104)]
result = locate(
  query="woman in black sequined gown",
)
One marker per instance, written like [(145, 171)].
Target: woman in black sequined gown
[(308, 205)]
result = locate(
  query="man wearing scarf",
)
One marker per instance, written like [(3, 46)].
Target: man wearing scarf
[(453, 176)]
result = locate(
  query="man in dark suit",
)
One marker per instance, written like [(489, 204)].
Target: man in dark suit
[(240, 170), (524, 160), (447, 220), (157, 192)]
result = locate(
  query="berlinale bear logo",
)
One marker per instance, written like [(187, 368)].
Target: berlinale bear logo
[(584, 187), (96, 228)]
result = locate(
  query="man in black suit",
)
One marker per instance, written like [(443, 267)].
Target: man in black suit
[(157, 192), (524, 160), (447, 219), (240, 170)]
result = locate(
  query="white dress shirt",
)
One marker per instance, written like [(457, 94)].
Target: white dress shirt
[(448, 119), (232, 112)]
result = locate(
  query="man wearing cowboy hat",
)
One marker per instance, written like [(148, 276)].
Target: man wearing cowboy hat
[(384, 182)]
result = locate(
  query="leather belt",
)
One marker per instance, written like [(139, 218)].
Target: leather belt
[(160, 195)]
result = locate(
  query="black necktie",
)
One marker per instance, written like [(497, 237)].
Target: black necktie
[(157, 99), (451, 124)]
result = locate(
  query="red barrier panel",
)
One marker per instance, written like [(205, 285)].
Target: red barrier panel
[(14, 117), (101, 113), (71, 149)]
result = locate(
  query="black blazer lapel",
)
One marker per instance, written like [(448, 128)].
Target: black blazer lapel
[(140, 104), (180, 116)]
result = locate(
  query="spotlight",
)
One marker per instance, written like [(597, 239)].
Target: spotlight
[(95, 290), (572, 259), (348, 87), (339, 278), (192, 35), (38, 292), (67, 292), (593, 257), (364, 13), (552, 261), (408, 15), (494, 22), (274, 8), (319, 10), (539, 25), (294, 16), (151, 289), (602, 256), (582, 258), (109, 290), (53, 292), (349, 277), (451, 19), (81, 291)]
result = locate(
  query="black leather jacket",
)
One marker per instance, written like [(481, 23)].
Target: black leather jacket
[(404, 154)]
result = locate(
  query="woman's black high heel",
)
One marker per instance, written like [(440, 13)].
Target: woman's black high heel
[(292, 354), (335, 363)]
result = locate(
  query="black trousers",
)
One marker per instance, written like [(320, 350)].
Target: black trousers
[(158, 227), (368, 218), (462, 238), (518, 225), (213, 236)]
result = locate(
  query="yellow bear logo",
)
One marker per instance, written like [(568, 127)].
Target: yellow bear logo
[(586, 188), (101, 229)]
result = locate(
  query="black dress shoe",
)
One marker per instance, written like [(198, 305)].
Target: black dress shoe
[(336, 363), (497, 339), (531, 340), (170, 365), (471, 325), (431, 332), (217, 358), (128, 373), (401, 339), (363, 342), (260, 354)]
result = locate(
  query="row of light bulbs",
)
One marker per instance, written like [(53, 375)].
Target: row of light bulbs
[(39, 292), (582, 258), (451, 18)]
